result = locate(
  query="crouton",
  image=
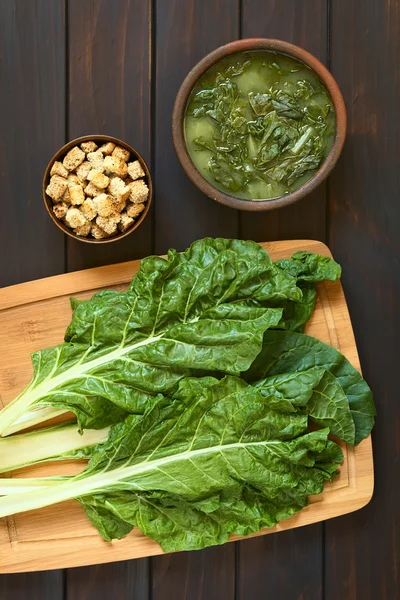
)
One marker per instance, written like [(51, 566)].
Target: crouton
[(116, 165), (139, 191), (106, 225), (83, 230), (104, 205), (89, 147), (126, 222), (96, 159), (92, 190), (60, 210), (66, 197), (56, 187), (83, 170), (97, 232), (75, 218), (88, 208), (118, 189), (76, 194), (73, 179), (58, 169), (134, 210), (98, 179), (107, 148), (121, 153), (135, 170), (74, 158)]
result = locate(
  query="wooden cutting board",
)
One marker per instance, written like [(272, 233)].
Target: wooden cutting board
[(34, 315)]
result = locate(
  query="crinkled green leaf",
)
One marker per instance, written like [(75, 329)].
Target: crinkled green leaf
[(205, 309), (288, 351), (306, 266), (218, 458)]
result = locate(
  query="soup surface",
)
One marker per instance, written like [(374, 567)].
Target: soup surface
[(258, 125)]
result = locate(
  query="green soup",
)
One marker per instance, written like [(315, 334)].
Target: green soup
[(258, 125)]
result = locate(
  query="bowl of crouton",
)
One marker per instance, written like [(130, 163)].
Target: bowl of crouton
[(97, 189)]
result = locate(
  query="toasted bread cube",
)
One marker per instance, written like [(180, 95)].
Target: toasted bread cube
[(73, 179), (134, 210), (107, 149), (92, 190), (83, 230), (88, 208), (89, 147), (107, 225), (74, 158), (121, 153), (98, 179), (104, 205), (97, 232), (58, 169), (118, 189), (56, 187), (116, 165), (135, 170), (60, 210), (139, 191), (96, 159), (115, 217), (75, 218), (76, 194), (66, 197), (126, 222), (83, 170)]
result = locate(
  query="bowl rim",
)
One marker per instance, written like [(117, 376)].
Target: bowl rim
[(48, 202), (255, 44)]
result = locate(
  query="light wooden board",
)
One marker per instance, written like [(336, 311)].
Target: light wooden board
[(34, 315)]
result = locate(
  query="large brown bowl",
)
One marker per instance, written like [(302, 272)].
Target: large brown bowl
[(102, 139), (254, 44)]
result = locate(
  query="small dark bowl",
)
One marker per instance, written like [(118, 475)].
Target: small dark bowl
[(255, 44), (102, 139)]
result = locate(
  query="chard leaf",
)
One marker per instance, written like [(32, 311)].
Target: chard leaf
[(205, 309), (288, 351), (329, 407), (216, 459), (306, 266)]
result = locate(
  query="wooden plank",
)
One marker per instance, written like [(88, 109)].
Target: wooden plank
[(47, 585), (32, 102), (125, 580), (206, 574), (363, 550), (109, 93), (52, 537), (32, 83), (302, 22), (185, 32), (266, 572)]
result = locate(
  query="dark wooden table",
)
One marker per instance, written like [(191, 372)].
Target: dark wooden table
[(75, 67)]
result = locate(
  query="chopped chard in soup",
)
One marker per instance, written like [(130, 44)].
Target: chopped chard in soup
[(258, 125)]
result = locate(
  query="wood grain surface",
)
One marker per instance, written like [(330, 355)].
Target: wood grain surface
[(363, 552), (35, 315), (58, 62)]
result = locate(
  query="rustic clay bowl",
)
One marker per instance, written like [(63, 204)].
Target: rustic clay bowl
[(257, 44), (99, 139)]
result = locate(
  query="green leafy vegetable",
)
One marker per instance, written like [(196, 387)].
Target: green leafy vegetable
[(216, 459), (289, 352), (205, 309)]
